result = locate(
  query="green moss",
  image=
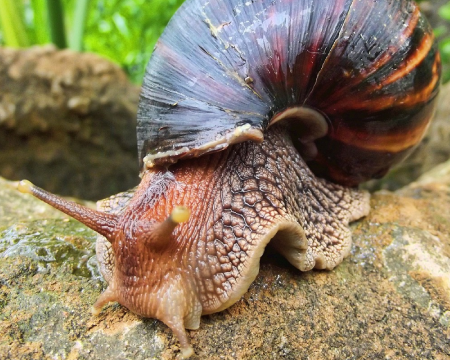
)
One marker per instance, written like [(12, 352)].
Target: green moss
[(60, 242)]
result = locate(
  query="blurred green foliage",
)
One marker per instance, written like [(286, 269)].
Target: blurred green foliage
[(125, 31), (444, 41)]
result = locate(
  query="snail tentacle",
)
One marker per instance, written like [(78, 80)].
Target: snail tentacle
[(102, 223)]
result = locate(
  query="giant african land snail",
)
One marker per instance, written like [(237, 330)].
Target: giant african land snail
[(347, 85)]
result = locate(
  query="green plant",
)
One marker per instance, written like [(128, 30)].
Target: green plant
[(29, 22), (11, 21), (56, 22), (79, 23), (125, 31), (444, 41)]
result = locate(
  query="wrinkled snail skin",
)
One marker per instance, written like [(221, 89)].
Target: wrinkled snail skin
[(256, 121), (240, 199)]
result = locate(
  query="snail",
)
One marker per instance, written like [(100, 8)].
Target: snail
[(256, 122)]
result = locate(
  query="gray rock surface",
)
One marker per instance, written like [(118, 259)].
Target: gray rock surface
[(67, 122), (389, 300)]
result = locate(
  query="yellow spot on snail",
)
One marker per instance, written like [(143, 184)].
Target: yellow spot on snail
[(212, 28), (239, 131), (186, 353), (180, 214), (25, 187), (95, 310)]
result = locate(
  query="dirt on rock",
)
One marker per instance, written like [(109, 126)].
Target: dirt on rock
[(388, 300)]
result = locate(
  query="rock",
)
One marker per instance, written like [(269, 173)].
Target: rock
[(389, 300), (441, 172), (67, 122)]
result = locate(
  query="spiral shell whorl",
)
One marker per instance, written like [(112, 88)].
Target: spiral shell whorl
[(222, 69)]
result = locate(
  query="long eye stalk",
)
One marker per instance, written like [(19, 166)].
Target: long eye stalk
[(104, 224)]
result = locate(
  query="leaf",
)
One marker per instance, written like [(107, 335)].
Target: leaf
[(12, 22), (444, 11)]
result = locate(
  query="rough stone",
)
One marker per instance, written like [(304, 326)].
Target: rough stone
[(390, 299), (67, 122)]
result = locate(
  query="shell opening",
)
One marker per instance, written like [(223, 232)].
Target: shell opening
[(310, 125), (237, 135)]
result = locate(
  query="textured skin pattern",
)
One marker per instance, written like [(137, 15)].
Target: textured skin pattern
[(105, 256), (240, 199)]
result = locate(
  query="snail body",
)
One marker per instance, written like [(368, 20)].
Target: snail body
[(256, 121)]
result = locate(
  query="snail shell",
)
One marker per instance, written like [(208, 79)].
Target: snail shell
[(359, 78)]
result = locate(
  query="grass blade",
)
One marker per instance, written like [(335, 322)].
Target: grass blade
[(41, 30), (12, 23), (56, 21), (79, 23)]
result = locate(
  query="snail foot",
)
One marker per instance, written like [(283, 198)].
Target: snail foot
[(186, 353), (107, 296)]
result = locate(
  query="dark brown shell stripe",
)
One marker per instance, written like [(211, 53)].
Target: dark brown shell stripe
[(394, 94), (371, 67)]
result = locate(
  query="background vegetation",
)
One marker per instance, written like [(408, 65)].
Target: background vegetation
[(124, 31), (444, 39)]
